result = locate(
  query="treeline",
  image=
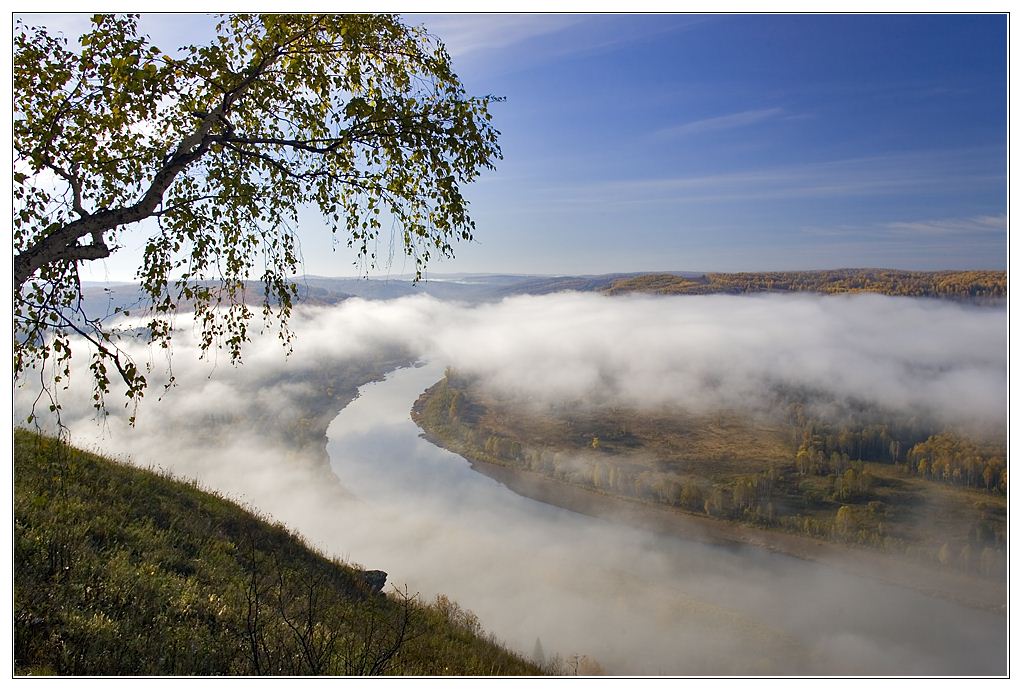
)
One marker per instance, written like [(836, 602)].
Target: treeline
[(951, 459), (835, 462), (839, 456), (944, 456), (970, 285), (119, 571), (821, 442)]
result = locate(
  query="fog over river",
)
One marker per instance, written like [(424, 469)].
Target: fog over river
[(634, 601)]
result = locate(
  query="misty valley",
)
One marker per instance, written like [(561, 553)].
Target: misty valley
[(623, 481)]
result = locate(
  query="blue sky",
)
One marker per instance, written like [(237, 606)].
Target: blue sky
[(728, 143), (741, 142)]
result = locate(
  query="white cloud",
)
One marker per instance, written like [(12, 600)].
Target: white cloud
[(700, 352), (466, 34), (722, 122), (929, 172), (946, 243), (977, 225)]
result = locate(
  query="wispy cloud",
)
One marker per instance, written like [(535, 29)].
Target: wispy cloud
[(976, 242), (499, 43), (874, 176), (974, 226), (466, 34), (722, 122)]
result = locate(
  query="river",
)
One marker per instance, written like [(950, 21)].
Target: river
[(633, 601)]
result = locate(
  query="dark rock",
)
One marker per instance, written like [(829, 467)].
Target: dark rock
[(374, 579)]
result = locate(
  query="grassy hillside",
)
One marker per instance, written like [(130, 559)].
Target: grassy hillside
[(967, 285), (120, 571), (932, 496)]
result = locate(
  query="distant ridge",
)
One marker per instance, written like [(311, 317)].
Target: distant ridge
[(968, 285), (101, 299)]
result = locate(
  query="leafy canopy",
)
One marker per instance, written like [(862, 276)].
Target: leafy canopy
[(216, 149)]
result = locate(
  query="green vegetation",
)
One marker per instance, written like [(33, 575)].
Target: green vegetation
[(218, 147), (972, 285), (933, 496), (120, 571)]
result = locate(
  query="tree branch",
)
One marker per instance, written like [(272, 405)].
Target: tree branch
[(63, 242), (75, 253)]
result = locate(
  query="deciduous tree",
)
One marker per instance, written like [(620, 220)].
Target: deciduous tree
[(210, 153)]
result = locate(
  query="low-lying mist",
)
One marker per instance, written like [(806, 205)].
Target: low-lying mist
[(941, 360), (585, 586), (933, 359)]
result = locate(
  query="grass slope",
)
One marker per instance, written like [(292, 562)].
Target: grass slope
[(121, 571)]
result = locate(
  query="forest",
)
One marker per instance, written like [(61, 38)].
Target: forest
[(965, 285)]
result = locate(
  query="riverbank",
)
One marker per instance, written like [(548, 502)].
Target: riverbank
[(969, 590)]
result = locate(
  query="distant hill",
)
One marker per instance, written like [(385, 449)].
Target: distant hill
[(121, 571), (468, 287), (108, 300), (104, 299), (893, 282)]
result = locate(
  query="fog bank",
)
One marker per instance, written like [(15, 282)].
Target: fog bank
[(935, 359), (938, 359)]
